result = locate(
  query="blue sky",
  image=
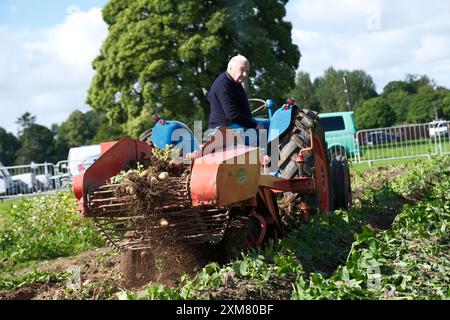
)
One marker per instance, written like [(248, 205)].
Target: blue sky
[(47, 46), (34, 14)]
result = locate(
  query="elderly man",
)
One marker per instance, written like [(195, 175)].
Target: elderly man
[(228, 99)]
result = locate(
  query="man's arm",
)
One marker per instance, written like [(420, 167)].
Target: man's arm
[(233, 110)]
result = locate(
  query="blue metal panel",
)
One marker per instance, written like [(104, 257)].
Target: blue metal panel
[(280, 122), (175, 133), (271, 106), (263, 121)]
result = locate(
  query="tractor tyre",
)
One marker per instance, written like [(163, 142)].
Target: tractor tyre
[(316, 164), (241, 235), (340, 178)]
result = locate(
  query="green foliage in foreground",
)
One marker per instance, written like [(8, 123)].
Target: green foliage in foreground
[(411, 260), (10, 281), (335, 256), (45, 228)]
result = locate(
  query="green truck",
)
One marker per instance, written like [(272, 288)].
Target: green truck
[(340, 133)]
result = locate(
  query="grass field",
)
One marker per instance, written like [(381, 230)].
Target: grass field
[(5, 204), (405, 149), (364, 166)]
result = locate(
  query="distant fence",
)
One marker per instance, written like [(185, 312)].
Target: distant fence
[(402, 142), (33, 179)]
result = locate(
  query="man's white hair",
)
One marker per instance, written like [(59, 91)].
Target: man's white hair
[(237, 58)]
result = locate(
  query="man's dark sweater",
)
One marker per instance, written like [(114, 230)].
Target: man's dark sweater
[(229, 103)]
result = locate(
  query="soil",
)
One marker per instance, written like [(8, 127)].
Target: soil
[(104, 271), (96, 268)]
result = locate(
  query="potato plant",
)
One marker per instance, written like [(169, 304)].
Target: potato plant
[(45, 227)]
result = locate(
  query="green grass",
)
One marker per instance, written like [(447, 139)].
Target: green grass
[(10, 281), (44, 227), (403, 149), (5, 205), (364, 166)]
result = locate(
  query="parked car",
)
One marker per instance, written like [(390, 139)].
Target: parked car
[(379, 137), (80, 158), (438, 128)]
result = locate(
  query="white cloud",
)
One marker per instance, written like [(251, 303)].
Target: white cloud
[(47, 72), (387, 39)]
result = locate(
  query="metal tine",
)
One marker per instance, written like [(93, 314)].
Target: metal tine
[(112, 205), (110, 186), (100, 192), (109, 199)]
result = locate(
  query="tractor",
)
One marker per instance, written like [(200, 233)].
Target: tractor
[(229, 194)]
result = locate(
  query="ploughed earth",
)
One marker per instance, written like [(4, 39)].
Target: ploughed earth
[(103, 272)]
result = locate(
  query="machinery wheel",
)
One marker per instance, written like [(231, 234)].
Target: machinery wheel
[(241, 235), (340, 178), (316, 163)]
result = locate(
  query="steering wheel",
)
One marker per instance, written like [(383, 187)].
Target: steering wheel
[(262, 107)]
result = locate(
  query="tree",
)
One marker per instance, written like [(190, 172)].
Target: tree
[(25, 121), (304, 92), (399, 102), (374, 113), (395, 86), (8, 147), (161, 56), (446, 106), (330, 89), (427, 104), (36, 145), (79, 129)]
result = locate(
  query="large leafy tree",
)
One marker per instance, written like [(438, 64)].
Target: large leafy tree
[(36, 145), (330, 89), (79, 129), (428, 103), (399, 100), (374, 113), (161, 56), (8, 147), (25, 121), (304, 92)]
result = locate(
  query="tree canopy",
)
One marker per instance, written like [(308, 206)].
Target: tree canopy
[(8, 147), (79, 129), (330, 89), (304, 92), (36, 145), (374, 113), (161, 56)]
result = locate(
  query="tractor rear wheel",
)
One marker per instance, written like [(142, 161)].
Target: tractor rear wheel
[(241, 235), (316, 164), (340, 178)]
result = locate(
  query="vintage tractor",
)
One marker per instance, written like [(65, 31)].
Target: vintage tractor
[(224, 193)]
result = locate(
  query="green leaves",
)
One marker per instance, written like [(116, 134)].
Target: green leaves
[(163, 56), (45, 227), (10, 281), (335, 256), (409, 261)]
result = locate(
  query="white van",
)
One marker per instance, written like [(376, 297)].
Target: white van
[(80, 158)]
